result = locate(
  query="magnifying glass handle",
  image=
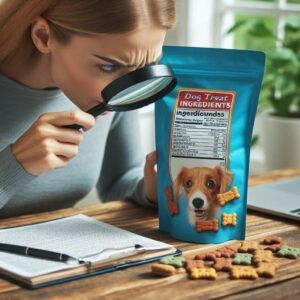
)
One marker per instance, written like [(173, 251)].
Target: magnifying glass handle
[(95, 111), (73, 126)]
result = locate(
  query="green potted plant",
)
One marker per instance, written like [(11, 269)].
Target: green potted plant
[(280, 96)]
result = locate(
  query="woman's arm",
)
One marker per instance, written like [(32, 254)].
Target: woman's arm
[(123, 163), (12, 175)]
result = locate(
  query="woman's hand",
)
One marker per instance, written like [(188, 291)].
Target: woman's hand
[(46, 145), (150, 176)]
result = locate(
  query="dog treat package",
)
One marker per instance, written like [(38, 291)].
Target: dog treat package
[(203, 134)]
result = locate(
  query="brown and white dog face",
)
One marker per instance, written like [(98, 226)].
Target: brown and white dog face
[(201, 185)]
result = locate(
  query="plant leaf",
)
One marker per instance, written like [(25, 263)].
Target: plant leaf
[(292, 24), (254, 140), (282, 56), (238, 25), (259, 29)]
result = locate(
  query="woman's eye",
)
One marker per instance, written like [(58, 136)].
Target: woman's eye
[(108, 68), (210, 184), (189, 183)]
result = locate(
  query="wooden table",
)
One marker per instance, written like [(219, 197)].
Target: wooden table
[(139, 283)]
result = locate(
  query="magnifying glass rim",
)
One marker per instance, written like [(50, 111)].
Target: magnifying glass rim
[(134, 77)]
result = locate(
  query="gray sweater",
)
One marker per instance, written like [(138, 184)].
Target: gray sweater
[(110, 156)]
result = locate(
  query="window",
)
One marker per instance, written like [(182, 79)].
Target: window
[(273, 12)]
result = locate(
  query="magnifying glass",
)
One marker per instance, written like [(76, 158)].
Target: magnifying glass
[(135, 90)]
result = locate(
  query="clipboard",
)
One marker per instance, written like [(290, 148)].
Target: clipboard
[(86, 275)]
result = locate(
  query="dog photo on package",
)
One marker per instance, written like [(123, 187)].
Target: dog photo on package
[(203, 135)]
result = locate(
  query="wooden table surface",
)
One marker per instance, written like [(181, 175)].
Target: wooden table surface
[(139, 283)]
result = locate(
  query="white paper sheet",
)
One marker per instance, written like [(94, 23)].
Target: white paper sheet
[(76, 236)]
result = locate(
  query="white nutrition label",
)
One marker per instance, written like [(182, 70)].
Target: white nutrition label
[(201, 124)]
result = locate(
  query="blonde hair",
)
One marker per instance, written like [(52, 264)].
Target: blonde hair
[(69, 17)]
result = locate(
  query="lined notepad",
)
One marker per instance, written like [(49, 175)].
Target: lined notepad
[(77, 236)]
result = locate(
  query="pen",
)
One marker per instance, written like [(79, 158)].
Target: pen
[(35, 252), (40, 253)]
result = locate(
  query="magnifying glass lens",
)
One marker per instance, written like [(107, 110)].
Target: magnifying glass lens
[(140, 91)]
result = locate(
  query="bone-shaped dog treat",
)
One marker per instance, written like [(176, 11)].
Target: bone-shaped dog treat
[(189, 264), (248, 246), (207, 225), (243, 273), (229, 219), (222, 264), (228, 196), (172, 205), (266, 270), (262, 256), (203, 273)]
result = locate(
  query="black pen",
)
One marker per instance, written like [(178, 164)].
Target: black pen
[(39, 253)]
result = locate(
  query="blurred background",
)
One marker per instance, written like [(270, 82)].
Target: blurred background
[(272, 26)]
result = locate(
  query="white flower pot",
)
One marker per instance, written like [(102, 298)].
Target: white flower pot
[(281, 142)]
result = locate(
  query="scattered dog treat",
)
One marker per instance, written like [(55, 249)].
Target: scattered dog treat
[(242, 259), (162, 269), (208, 255), (172, 205), (243, 273), (226, 252), (250, 264), (228, 196), (222, 264), (266, 270), (176, 261), (191, 263), (262, 256), (272, 239), (273, 247), (289, 252), (229, 219), (248, 246), (203, 273), (207, 225)]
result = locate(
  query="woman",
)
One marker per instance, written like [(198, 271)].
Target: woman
[(56, 57)]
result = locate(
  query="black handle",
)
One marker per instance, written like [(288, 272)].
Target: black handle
[(73, 126), (94, 111)]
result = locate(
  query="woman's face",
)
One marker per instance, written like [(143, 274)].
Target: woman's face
[(83, 67)]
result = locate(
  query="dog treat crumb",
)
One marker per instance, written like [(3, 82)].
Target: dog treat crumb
[(207, 225), (203, 273), (262, 256), (242, 259), (222, 264), (243, 273), (176, 261), (191, 263), (228, 196), (180, 270), (289, 252), (248, 246), (266, 270), (229, 219), (272, 239), (226, 252), (172, 205), (162, 269)]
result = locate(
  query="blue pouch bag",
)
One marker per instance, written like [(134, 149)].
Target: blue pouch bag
[(203, 132)]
